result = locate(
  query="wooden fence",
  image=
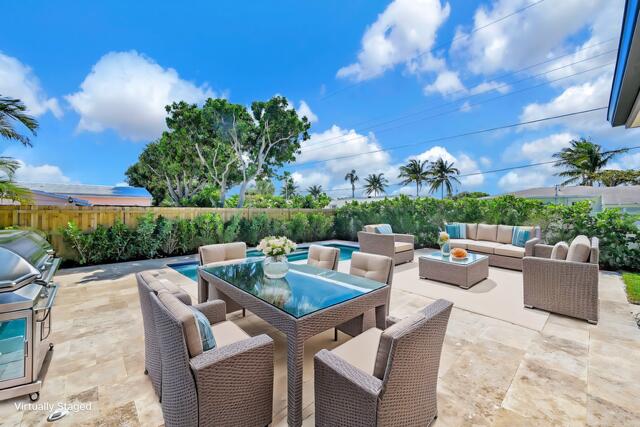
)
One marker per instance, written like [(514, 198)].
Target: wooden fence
[(51, 219)]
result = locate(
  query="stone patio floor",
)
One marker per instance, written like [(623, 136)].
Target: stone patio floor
[(492, 372)]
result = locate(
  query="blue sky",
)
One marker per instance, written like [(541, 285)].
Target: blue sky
[(97, 76)]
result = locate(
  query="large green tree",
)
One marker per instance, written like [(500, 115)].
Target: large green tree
[(613, 177), (415, 171), (582, 160), (315, 191), (443, 175), (375, 184)]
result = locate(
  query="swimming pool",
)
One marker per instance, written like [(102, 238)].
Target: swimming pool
[(190, 269)]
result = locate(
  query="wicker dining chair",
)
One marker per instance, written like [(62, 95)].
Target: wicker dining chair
[(217, 254), (228, 385), (324, 257), (383, 378), (374, 267)]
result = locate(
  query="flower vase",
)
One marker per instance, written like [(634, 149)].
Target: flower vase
[(445, 249), (275, 267)]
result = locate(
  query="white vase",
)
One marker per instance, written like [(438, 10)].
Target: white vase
[(275, 267)]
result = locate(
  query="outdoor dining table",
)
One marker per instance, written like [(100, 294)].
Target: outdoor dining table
[(307, 301)]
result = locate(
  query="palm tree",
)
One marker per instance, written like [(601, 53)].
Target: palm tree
[(315, 191), (442, 175), (9, 190), (289, 187), (352, 177), (414, 171), (11, 111), (582, 161), (376, 184)]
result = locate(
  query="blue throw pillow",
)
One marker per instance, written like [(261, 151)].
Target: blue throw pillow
[(206, 335), (453, 231), (462, 232), (520, 236), (384, 229)]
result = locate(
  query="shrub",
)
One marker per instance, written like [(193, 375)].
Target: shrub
[(298, 227)]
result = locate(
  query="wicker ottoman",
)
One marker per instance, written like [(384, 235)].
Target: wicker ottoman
[(464, 273)]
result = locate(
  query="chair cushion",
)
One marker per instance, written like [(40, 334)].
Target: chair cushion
[(371, 228), (361, 351), (222, 252), (484, 247), (472, 231), (185, 316), (386, 340), (460, 243), (158, 285), (509, 250), (560, 251), (204, 329), (322, 256), (505, 233), (384, 229), (579, 250), (227, 333), (371, 266), (402, 246), (487, 232), (521, 235)]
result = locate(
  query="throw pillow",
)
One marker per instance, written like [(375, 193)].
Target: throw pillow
[(453, 231), (384, 229), (580, 249), (560, 251), (204, 328), (520, 236)]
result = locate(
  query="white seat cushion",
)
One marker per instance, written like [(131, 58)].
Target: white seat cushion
[(487, 232), (361, 351), (227, 333), (484, 247), (509, 250), (402, 247), (460, 243)]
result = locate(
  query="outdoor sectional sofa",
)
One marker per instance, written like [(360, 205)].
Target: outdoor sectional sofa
[(495, 241)]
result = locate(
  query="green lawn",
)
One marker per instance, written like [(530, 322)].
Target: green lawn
[(632, 282)]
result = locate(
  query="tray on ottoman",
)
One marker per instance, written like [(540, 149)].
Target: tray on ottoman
[(462, 272)]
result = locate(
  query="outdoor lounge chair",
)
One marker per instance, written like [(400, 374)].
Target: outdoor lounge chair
[(374, 267), (324, 257), (399, 247), (383, 378), (228, 385), (564, 281), (148, 282), (216, 254)]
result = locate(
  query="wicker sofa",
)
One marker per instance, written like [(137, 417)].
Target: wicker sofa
[(495, 241), (564, 281), (399, 247)]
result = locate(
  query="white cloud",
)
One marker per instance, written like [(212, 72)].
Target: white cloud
[(127, 92), (305, 111), (405, 29), (307, 179), (485, 161), (486, 87), (17, 80), (519, 180), (46, 173), (539, 150), (628, 161), (446, 83)]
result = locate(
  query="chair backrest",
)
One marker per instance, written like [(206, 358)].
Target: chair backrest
[(407, 362), (323, 257), (179, 395), (222, 252), (372, 266)]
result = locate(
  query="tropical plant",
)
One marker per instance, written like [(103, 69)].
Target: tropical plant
[(352, 177), (9, 190), (415, 171), (375, 184), (613, 177), (11, 111), (582, 161), (315, 191), (289, 187), (442, 175)]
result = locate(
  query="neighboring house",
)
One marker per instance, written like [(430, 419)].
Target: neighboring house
[(626, 198), (86, 195), (338, 203)]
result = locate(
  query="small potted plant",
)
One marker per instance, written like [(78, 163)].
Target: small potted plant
[(275, 249), (443, 241)]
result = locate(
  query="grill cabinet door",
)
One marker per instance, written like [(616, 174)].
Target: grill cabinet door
[(15, 348)]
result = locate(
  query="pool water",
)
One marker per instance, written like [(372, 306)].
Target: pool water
[(190, 269)]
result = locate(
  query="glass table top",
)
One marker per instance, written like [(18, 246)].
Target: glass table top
[(470, 259), (304, 290)]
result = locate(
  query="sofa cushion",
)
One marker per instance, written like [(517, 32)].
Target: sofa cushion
[(487, 232), (360, 351), (505, 233), (560, 251), (579, 250), (386, 340), (460, 243), (227, 333), (402, 246), (185, 316), (509, 250), (484, 247), (472, 231), (384, 229), (456, 230)]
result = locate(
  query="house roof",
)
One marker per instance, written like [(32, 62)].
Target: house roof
[(88, 190), (75, 201), (611, 196)]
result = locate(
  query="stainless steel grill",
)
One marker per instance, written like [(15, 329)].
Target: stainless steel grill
[(27, 294)]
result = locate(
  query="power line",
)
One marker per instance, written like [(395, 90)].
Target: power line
[(438, 46)]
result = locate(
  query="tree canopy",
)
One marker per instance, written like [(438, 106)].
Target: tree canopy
[(582, 161)]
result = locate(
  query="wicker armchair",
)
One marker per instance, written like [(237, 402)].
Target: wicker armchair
[(324, 257), (383, 378), (229, 385), (153, 281), (562, 286), (216, 254), (374, 267), (399, 247)]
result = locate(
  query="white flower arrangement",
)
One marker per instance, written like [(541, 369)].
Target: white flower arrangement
[(276, 246), (443, 236)]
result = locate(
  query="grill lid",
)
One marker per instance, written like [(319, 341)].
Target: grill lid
[(15, 270), (29, 245)]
